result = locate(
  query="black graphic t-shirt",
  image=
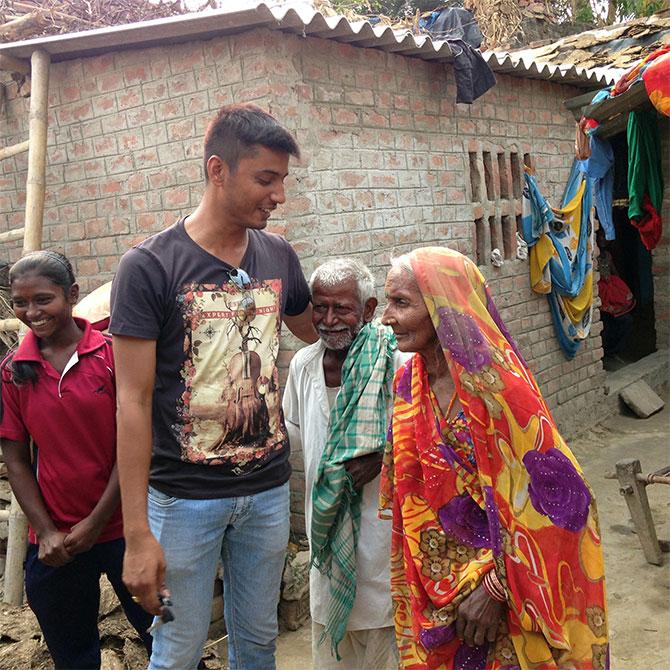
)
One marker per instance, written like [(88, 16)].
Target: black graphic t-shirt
[(218, 430)]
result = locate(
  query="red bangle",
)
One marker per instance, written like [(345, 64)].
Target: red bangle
[(493, 586)]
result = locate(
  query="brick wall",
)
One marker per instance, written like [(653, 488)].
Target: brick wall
[(386, 166)]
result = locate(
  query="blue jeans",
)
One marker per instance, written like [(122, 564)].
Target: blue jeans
[(250, 535), (66, 601)]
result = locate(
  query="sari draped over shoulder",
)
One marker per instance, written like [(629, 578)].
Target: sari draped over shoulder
[(497, 488)]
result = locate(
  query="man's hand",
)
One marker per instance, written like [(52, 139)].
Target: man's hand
[(52, 550), (82, 536), (144, 571), (364, 468), (478, 618)]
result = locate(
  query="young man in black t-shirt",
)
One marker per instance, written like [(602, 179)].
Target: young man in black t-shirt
[(196, 315)]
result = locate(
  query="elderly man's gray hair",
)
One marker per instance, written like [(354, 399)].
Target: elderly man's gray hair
[(337, 270)]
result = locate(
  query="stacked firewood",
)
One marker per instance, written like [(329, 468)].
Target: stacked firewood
[(24, 19)]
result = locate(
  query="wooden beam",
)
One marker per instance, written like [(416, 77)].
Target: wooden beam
[(37, 152), (635, 494), (635, 96), (12, 235), (11, 64), (8, 152)]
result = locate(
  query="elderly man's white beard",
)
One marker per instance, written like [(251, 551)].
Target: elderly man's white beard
[(337, 340)]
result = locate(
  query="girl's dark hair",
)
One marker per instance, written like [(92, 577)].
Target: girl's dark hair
[(57, 269)]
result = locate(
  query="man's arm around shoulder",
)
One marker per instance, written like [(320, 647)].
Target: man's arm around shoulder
[(301, 325), (144, 562)]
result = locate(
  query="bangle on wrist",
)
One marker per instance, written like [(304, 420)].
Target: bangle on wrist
[(493, 587)]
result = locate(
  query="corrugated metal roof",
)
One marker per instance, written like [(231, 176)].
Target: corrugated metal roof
[(300, 20), (522, 66)]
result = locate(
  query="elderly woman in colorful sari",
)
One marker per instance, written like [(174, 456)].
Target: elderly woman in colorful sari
[(496, 554)]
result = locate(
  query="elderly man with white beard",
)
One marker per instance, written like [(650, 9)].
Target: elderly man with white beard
[(336, 406)]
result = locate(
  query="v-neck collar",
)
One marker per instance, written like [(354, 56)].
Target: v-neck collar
[(244, 261)]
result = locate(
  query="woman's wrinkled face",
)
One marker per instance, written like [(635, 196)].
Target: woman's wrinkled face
[(406, 313)]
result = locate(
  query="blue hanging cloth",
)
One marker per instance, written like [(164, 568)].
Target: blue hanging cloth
[(560, 245)]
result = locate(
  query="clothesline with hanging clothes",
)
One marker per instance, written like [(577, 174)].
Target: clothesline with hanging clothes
[(560, 243), (645, 172)]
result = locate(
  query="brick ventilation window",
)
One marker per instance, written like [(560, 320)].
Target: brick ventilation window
[(496, 184)]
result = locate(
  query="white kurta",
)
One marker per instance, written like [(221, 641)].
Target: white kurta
[(306, 412)]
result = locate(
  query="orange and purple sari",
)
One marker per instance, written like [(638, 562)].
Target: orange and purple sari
[(494, 488)]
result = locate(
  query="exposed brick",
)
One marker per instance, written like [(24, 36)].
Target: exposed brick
[(112, 187), (176, 198), (98, 65), (86, 266), (105, 246), (117, 164), (180, 130), (186, 57), (146, 222), (130, 97), (135, 74), (110, 82), (385, 163), (105, 146)]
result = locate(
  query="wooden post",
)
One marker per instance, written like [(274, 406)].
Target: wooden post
[(17, 541), (37, 151), (635, 493), (32, 241)]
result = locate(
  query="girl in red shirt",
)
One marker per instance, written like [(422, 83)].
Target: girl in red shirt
[(58, 393)]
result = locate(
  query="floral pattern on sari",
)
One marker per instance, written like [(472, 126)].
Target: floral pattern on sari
[(497, 486)]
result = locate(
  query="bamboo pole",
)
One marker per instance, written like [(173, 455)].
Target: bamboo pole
[(17, 546), (37, 152), (40, 61), (8, 152), (12, 235), (10, 325), (11, 64), (17, 540)]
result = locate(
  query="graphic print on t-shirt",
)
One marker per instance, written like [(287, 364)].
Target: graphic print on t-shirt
[(230, 408)]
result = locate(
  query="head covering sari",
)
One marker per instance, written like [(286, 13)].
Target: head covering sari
[(502, 490)]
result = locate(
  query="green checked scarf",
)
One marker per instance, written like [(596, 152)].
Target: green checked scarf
[(357, 426)]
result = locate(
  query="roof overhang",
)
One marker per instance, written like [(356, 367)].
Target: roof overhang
[(299, 20)]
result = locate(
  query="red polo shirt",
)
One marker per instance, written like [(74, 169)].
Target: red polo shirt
[(71, 418)]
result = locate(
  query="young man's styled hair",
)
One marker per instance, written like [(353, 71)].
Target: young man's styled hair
[(236, 129)]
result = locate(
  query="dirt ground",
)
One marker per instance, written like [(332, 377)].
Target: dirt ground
[(638, 593)]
